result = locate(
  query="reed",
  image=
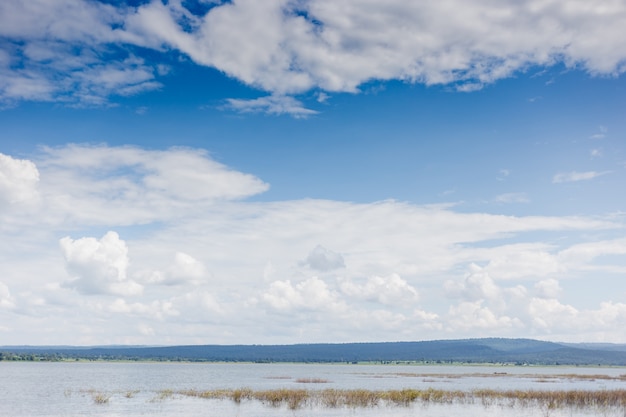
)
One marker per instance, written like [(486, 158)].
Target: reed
[(294, 398), (362, 398)]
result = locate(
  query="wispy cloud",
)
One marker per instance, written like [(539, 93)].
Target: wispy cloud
[(276, 105), (601, 134), (574, 176), (509, 198), (503, 174)]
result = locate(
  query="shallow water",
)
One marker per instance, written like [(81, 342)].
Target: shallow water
[(37, 389)]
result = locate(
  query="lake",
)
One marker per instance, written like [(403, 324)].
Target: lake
[(54, 389)]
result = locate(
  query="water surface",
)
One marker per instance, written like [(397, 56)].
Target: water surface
[(54, 389)]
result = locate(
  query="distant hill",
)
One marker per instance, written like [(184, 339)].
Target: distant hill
[(489, 350)]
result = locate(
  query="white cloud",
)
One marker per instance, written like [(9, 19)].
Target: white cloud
[(390, 290), (98, 266), (510, 198), (549, 314), (555, 318), (583, 253), (323, 260), (574, 176), (156, 310), (286, 47), (275, 105), (6, 301), (471, 316), (333, 46), (548, 288), (185, 269), (477, 286), (122, 185), (66, 53), (601, 135), (196, 305), (503, 174), (198, 259), (523, 260), (18, 180), (311, 294)]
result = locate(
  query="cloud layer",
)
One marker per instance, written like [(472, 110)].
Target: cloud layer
[(163, 247), (83, 52)]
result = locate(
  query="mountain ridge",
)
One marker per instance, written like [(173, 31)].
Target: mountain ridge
[(482, 350)]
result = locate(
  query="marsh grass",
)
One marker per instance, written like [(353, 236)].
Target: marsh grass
[(539, 377), (131, 393), (100, 397), (312, 380), (361, 398)]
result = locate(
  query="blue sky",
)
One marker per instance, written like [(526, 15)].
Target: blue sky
[(286, 172)]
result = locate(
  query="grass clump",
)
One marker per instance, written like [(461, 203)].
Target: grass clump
[(131, 393), (100, 398), (312, 381), (294, 398)]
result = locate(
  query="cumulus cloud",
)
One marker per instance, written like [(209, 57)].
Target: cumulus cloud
[(549, 314), (523, 260), (98, 266), (18, 180), (476, 286), (311, 294), (323, 260), (575, 176), (207, 261), (185, 269), (199, 305), (548, 288), (468, 316), (286, 48), (390, 290), (553, 317), (156, 309)]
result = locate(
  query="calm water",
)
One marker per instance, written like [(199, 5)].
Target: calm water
[(135, 389)]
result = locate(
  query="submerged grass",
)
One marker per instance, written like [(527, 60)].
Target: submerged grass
[(361, 398), (312, 380)]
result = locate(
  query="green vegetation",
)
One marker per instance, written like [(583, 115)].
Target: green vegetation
[(465, 351)]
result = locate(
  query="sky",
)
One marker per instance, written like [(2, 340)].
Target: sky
[(298, 171)]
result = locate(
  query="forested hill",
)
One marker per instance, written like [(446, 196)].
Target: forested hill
[(493, 350)]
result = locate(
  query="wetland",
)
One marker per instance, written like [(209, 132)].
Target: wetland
[(132, 389)]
